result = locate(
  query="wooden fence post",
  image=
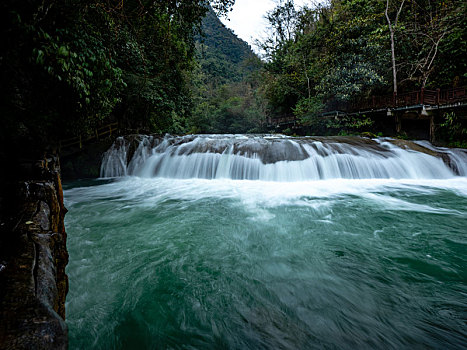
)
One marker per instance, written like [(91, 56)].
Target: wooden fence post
[(422, 96), (398, 122), (432, 128), (437, 96)]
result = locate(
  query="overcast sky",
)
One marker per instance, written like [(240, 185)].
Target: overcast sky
[(247, 18)]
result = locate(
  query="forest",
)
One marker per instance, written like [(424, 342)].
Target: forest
[(330, 55), (68, 67)]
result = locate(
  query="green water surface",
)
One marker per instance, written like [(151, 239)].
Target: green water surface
[(221, 264)]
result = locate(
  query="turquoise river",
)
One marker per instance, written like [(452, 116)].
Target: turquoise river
[(256, 242)]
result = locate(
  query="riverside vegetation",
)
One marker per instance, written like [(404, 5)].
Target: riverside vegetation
[(70, 66)]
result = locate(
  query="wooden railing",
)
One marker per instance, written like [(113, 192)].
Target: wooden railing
[(453, 95), (412, 99), (99, 133), (290, 119), (421, 97)]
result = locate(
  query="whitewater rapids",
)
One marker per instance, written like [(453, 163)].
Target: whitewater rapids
[(279, 158)]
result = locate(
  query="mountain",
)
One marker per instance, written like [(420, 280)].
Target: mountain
[(225, 82), (221, 53)]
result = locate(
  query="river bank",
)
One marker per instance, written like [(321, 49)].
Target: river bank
[(33, 282)]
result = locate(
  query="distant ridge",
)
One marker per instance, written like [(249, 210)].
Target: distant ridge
[(225, 83), (221, 54)]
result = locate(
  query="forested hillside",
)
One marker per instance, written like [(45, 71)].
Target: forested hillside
[(221, 54), (328, 56), (69, 66), (225, 82)]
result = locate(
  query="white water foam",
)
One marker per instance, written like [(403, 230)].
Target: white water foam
[(258, 196), (241, 157)]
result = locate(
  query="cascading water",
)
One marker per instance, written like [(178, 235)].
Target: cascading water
[(338, 243), (271, 158)]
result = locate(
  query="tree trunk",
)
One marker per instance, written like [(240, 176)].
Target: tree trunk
[(393, 59), (307, 78), (392, 29)]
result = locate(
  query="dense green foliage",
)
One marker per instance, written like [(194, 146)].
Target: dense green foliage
[(69, 66), (453, 130), (333, 55), (225, 83)]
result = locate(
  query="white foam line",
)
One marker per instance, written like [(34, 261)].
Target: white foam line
[(149, 192)]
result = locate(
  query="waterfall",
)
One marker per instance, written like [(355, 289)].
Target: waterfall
[(114, 162), (279, 158)]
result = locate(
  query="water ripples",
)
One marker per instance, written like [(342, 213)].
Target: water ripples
[(159, 263)]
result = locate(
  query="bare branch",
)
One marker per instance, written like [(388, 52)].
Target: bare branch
[(399, 12)]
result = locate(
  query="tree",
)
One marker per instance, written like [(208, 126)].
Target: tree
[(282, 21), (392, 30), (69, 66), (224, 83), (342, 52), (430, 22)]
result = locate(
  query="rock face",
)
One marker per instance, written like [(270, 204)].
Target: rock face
[(85, 163), (33, 257)]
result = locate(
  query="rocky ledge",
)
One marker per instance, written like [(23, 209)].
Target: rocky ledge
[(33, 257)]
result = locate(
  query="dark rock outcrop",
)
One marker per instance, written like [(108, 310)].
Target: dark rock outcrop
[(33, 257), (83, 163)]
